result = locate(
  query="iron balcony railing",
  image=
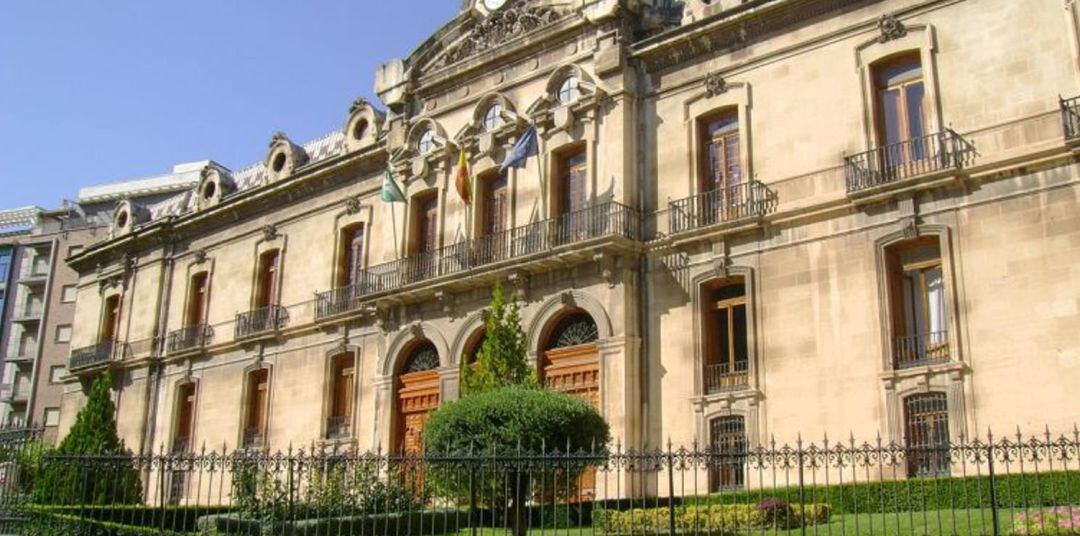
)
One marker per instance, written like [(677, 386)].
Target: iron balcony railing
[(604, 219), (191, 337), (1070, 117), (259, 321), (98, 354), (750, 199), (338, 427), (917, 350), (907, 159), (722, 377)]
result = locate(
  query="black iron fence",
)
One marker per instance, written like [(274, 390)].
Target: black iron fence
[(96, 355), (750, 199), (190, 338), (1070, 117), (1014, 485), (261, 321), (908, 159), (542, 237)]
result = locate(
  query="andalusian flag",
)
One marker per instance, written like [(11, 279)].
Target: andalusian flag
[(462, 181), (391, 192)]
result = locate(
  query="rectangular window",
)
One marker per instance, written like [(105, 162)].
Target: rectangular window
[(52, 416), (5, 265), (56, 372), (425, 222), (727, 438), (68, 293), (341, 406), (721, 167), (352, 255), (258, 397), (572, 190), (63, 333), (901, 119), (110, 322), (269, 273), (919, 312), (926, 434), (198, 294), (496, 205), (185, 417), (726, 349)]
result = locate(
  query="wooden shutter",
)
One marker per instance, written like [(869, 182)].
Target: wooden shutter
[(269, 271), (496, 206), (197, 300)]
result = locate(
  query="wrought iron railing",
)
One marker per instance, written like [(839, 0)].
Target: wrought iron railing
[(907, 159), (191, 337), (339, 427), (1070, 117), (97, 354), (726, 376), (924, 349), (750, 199), (1019, 484), (601, 220), (260, 321)]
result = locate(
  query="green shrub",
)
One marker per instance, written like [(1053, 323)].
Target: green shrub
[(502, 360), (91, 465), (717, 519)]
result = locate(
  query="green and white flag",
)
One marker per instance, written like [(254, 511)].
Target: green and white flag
[(391, 192)]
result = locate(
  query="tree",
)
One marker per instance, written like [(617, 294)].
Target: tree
[(70, 476), (502, 359), (511, 421)]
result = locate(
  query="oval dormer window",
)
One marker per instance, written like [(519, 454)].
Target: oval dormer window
[(279, 162), (209, 190), (122, 220), (426, 143), (360, 130), (570, 90), (493, 117)]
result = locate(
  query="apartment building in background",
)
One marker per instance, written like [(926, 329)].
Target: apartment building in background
[(40, 293), (739, 222)]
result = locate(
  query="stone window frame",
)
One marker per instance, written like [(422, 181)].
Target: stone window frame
[(193, 268), (328, 389), (360, 215), (56, 335), (709, 103), (63, 293), (360, 112), (269, 242), (916, 38), (175, 407), (423, 165), (245, 402)]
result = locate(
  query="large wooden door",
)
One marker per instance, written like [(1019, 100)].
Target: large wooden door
[(418, 395)]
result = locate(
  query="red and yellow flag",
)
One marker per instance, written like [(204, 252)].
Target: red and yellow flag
[(464, 189)]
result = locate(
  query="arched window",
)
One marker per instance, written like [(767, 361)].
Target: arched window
[(569, 90), (426, 143), (727, 442), (473, 345), (493, 117), (926, 434), (574, 330), (422, 358)]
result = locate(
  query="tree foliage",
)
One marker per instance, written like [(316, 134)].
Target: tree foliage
[(109, 477), (502, 359)]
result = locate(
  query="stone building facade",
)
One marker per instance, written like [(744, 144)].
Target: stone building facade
[(741, 220)]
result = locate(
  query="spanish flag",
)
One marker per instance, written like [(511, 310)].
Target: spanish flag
[(464, 189)]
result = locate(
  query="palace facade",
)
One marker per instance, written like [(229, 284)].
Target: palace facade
[(742, 221)]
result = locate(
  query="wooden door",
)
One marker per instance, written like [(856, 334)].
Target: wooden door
[(197, 301), (269, 272), (575, 370), (110, 326), (572, 195), (901, 116)]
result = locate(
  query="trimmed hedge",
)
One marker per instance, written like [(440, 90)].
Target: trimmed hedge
[(920, 494), (404, 524), (717, 519), (120, 520)]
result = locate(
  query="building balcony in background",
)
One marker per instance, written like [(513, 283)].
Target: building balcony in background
[(190, 338), (918, 350), (267, 320), (915, 161), (722, 377), (1070, 118), (94, 357), (744, 202)]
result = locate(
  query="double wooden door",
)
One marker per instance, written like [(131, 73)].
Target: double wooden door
[(575, 370)]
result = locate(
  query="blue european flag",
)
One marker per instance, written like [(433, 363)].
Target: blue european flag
[(522, 150)]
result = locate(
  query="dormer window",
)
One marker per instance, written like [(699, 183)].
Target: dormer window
[(122, 220), (360, 129), (279, 162), (209, 190), (493, 117), (426, 143), (569, 90)]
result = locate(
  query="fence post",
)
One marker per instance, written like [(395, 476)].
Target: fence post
[(161, 488), (472, 492), (671, 490), (802, 485), (993, 479)]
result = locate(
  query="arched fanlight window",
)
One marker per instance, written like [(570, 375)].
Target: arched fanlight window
[(426, 142), (574, 330), (423, 357), (493, 117), (570, 90)]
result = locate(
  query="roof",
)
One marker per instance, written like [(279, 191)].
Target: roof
[(19, 217), (183, 177)]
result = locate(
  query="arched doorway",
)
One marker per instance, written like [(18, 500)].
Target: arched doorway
[(417, 395), (571, 362)]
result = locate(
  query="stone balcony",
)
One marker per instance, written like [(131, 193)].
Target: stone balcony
[(576, 237)]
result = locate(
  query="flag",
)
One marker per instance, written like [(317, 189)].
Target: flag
[(523, 149), (462, 180), (391, 192)]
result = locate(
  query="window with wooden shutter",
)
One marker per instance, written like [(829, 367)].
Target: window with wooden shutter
[(185, 417), (110, 323), (351, 261), (425, 223), (496, 205), (269, 273), (573, 181), (720, 167), (258, 397), (198, 294), (342, 389)]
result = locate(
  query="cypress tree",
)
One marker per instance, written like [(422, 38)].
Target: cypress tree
[(502, 360)]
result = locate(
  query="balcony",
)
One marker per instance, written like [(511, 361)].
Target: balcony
[(919, 350), (15, 394), (1070, 119), (265, 321), (918, 161), (338, 427), (723, 377), (744, 202), (35, 276), (93, 357), (531, 246), (190, 338), (29, 313)]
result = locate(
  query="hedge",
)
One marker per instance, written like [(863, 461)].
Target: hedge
[(403, 524), (130, 519), (920, 494), (717, 519)]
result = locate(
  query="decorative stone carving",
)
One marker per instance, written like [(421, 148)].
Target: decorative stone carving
[(720, 266), (890, 28), (567, 298), (446, 301), (352, 205), (520, 282), (269, 232), (200, 256), (357, 105), (607, 268), (499, 28), (715, 85)]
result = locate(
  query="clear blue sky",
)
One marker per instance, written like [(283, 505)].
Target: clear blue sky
[(94, 92)]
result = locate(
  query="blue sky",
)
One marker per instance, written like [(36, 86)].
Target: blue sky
[(94, 92)]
